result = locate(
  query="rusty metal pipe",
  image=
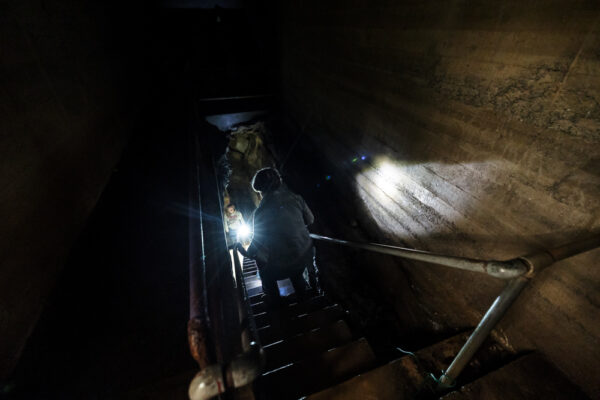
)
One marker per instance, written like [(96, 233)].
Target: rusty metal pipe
[(199, 323), (499, 269), (246, 367), (207, 383), (217, 379)]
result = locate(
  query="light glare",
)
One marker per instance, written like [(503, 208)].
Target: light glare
[(244, 231)]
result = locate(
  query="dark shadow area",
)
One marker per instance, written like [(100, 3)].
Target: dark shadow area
[(117, 319)]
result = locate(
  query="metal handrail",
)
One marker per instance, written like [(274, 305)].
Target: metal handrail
[(222, 334), (498, 269), (518, 271), (199, 324)]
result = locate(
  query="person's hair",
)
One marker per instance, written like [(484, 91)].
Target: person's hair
[(266, 180), (230, 205)]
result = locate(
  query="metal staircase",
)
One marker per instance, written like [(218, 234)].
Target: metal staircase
[(308, 346), (312, 352)]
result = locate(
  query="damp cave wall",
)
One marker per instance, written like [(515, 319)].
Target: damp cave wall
[(480, 123), (71, 82)]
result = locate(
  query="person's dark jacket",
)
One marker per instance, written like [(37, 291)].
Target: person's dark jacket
[(281, 236)]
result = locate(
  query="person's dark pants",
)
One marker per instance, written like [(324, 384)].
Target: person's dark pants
[(270, 274), (271, 289)]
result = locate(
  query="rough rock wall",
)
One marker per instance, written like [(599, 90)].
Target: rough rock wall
[(480, 126), (64, 114), (246, 154)]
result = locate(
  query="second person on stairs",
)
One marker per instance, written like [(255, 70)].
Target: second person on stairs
[(281, 246)]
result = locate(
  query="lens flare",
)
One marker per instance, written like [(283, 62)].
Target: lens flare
[(244, 231)]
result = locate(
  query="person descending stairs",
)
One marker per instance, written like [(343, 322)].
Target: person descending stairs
[(308, 345)]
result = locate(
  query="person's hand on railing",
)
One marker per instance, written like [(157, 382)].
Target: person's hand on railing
[(238, 246)]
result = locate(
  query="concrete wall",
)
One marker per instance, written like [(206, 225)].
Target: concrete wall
[(65, 108), (480, 123)]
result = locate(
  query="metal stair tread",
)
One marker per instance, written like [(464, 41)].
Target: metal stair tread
[(294, 307), (290, 299), (318, 371), (263, 317), (301, 323), (306, 344), (386, 382)]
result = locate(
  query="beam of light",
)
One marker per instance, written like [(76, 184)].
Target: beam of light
[(383, 180), (387, 178), (380, 188), (244, 233), (421, 199), (244, 230)]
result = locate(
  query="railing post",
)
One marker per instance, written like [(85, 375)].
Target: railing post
[(486, 325), (199, 324), (213, 328)]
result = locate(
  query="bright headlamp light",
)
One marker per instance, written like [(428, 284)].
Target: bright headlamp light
[(243, 233)]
